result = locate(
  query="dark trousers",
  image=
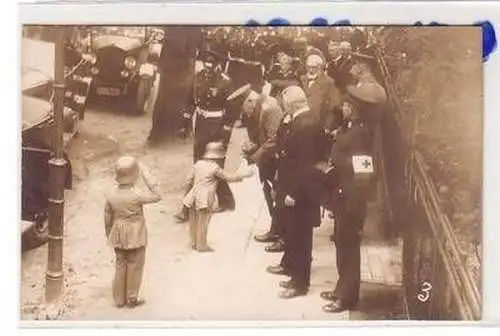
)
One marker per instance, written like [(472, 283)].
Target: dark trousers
[(298, 237), (267, 171), (347, 236)]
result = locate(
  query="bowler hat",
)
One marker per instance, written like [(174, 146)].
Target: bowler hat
[(127, 170), (215, 150), (368, 90)]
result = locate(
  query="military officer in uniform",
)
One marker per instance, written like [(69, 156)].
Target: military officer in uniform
[(354, 170), (211, 118)]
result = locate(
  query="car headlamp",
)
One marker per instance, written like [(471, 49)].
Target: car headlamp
[(130, 62), (90, 58)]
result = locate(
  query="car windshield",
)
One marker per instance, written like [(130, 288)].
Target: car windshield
[(137, 32)]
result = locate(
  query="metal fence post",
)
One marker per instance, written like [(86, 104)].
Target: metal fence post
[(54, 275)]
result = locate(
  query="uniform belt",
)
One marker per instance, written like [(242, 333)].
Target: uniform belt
[(210, 114)]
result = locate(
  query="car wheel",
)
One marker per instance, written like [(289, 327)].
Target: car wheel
[(37, 235)]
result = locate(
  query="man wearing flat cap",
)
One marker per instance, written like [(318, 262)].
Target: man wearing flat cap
[(262, 116), (209, 113)]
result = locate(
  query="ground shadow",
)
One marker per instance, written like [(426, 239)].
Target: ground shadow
[(379, 302)]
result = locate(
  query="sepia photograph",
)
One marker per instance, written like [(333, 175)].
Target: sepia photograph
[(251, 173)]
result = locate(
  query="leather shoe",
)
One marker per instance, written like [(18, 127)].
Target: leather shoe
[(290, 293), (180, 217), (132, 303), (336, 306), (276, 247), (287, 284), (328, 295), (206, 249), (267, 237), (277, 269)]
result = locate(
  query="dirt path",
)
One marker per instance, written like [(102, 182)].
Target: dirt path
[(181, 285), (229, 284)]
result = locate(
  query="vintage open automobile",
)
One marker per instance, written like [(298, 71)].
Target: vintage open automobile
[(76, 57), (37, 78), (125, 63)]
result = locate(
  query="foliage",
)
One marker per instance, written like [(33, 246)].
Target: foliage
[(441, 93)]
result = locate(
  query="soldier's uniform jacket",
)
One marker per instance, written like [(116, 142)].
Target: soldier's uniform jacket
[(208, 104), (124, 217), (211, 88), (280, 78), (351, 140)]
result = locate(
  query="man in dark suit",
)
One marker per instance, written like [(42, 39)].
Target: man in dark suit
[(297, 198), (323, 97), (261, 116), (340, 64), (354, 170)]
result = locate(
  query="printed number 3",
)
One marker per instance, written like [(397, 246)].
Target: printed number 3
[(425, 292)]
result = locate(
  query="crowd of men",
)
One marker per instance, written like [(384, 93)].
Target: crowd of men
[(310, 118)]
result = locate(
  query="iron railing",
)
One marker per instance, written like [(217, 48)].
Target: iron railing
[(437, 284)]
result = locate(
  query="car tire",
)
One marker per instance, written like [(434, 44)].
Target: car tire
[(37, 235)]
